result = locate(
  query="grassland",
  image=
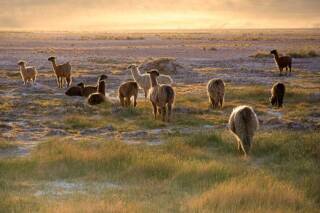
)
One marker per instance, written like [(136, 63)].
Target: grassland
[(58, 154), (194, 172), (197, 173)]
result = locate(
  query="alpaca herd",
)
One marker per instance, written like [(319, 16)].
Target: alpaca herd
[(243, 121)]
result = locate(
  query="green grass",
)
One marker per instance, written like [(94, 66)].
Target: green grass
[(201, 172)]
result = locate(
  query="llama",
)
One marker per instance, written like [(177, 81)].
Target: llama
[(161, 96), (215, 90), (75, 90), (27, 73), (277, 93), (88, 90), (126, 91), (99, 96), (62, 71), (143, 80), (282, 61), (243, 123)]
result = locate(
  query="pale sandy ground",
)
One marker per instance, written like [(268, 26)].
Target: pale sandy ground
[(90, 57)]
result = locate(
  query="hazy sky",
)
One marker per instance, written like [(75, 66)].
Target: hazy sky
[(157, 14)]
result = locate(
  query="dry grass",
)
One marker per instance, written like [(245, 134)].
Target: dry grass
[(197, 173)]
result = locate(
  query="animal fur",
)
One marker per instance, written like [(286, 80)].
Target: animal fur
[(143, 80), (88, 90), (215, 90), (282, 61), (243, 123), (126, 91), (62, 71), (161, 97), (277, 93), (28, 74), (75, 90), (98, 97)]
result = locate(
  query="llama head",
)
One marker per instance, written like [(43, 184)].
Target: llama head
[(81, 84), (272, 100), (153, 72), (132, 66), (103, 77), (274, 52), (21, 63), (52, 58)]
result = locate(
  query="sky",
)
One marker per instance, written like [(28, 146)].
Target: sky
[(108, 15)]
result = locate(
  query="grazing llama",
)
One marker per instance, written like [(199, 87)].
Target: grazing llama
[(215, 90), (126, 91), (277, 93), (28, 74), (62, 71), (243, 123), (161, 97), (282, 61)]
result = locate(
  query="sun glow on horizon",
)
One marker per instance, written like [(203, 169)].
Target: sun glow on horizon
[(96, 15)]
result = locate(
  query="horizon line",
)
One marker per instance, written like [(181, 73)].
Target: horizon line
[(149, 30)]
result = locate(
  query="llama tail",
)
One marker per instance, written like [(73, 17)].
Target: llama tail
[(169, 93), (247, 118)]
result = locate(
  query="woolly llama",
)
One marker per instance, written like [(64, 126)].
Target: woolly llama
[(88, 90), (126, 91), (243, 123), (161, 96), (277, 93), (215, 90), (143, 80), (98, 97), (27, 73), (62, 71), (282, 62), (75, 90)]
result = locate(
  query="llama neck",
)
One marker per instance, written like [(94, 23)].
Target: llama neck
[(102, 88), (135, 73), (153, 81), (276, 56), (54, 65), (22, 68)]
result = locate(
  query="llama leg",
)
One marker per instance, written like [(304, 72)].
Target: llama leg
[(280, 71), (169, 112), (57, 78), (159, 111), (163, 113), (60, 82), (239, 146), (212, 103), (145, 94), (286, 70), (154, 110), (135, 100), (68, 80), (289, 69), (280, 101), (128, 101), (221, 103), (121, 100)]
